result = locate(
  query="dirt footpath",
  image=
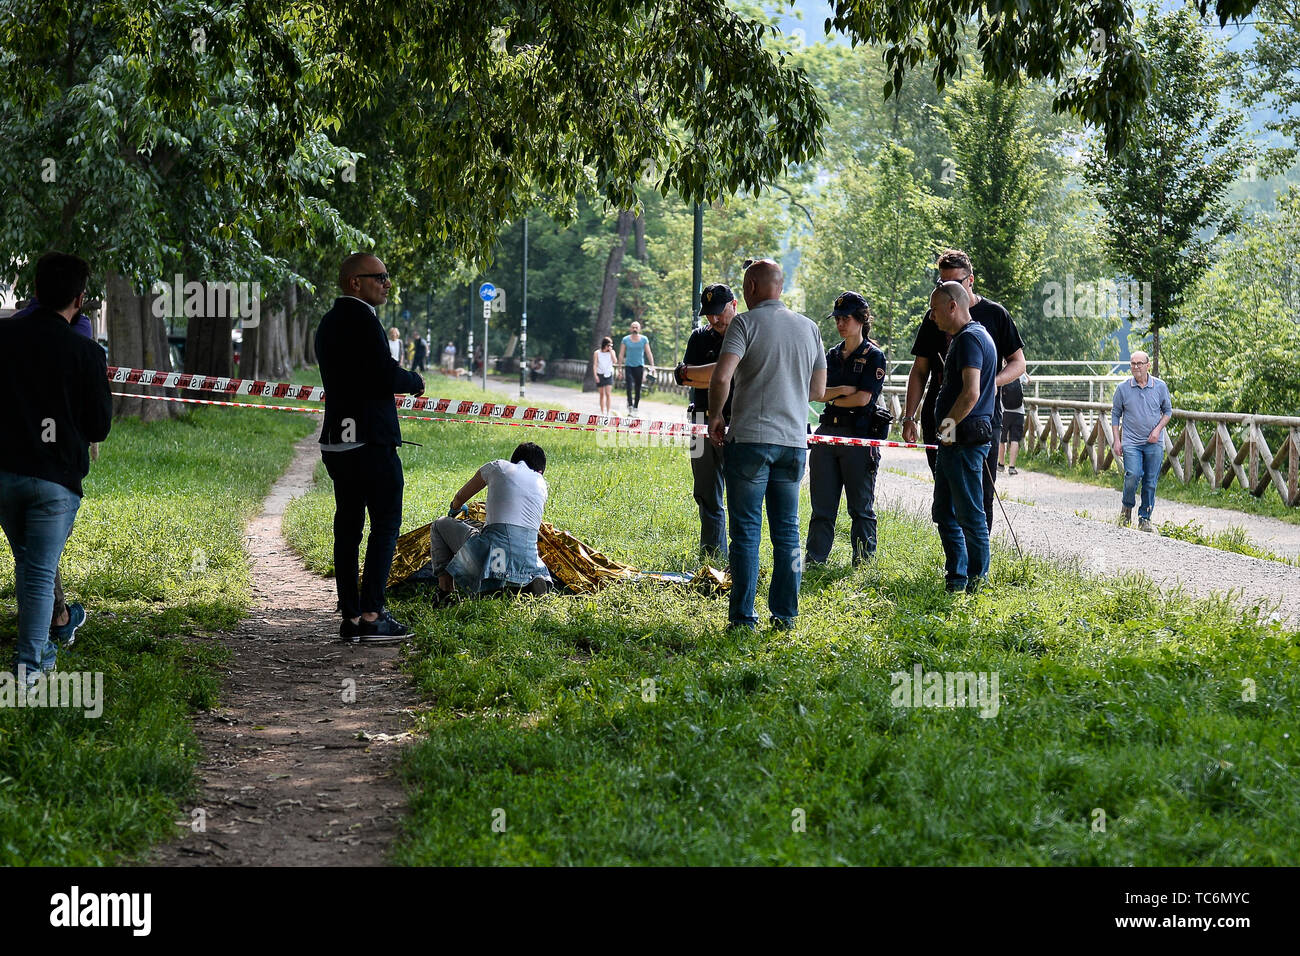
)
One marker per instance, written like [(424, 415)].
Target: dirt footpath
[(300, 754), (1042, 509)]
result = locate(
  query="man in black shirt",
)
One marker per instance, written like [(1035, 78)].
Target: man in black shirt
[(55, 395), (718, 305), (358, 443), (931, 346)]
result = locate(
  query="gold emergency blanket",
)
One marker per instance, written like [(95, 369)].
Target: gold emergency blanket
[(580, 568)]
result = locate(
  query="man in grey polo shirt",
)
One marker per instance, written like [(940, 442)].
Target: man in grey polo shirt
[(776, 357), (1143, 403)]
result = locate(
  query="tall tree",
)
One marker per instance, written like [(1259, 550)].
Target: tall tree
[(609, 291), (1165, 194), (875, 234), (999, 184)]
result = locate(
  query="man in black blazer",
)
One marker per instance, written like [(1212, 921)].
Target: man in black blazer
[(359, 442)]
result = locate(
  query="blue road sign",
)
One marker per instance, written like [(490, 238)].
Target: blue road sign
[(486, 291)]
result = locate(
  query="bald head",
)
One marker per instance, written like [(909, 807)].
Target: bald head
[(359, 277), (950, 306), (763, 280)]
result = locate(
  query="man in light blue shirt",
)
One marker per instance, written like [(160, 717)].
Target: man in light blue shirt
[(634, 355), (1143, 403)]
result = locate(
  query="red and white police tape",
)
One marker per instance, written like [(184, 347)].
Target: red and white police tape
[(520, 414)]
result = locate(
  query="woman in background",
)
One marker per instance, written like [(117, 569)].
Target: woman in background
[(395, 344), (602, 361)]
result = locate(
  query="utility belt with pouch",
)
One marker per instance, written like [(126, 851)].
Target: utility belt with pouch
[(974, 430), (871, 421)]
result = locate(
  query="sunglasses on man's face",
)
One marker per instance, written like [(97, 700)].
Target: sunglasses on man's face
[(381, 276)]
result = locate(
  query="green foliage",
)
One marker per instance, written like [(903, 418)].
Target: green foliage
[(1164, 195), (1090, 49), (156, 552), (876, 234), (1234, 539), (1236, 351), (97, 165), (1000, 180)]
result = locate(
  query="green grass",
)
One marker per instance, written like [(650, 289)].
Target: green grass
[(156, 552), (1113, 698), (1234, 539), (1197, 493)]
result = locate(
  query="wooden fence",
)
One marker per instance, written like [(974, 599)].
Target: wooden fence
[(1233, 448), (1218, 457)]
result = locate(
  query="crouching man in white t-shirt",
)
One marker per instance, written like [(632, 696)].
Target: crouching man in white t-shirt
[(504, 554)]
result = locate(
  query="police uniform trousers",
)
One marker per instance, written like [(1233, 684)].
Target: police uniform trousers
[(706, 470), (830, 468)]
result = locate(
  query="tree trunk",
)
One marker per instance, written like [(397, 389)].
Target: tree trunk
[(608, 294), (250, 352), (137, 339), (208, 348), (307, 309), (297, 332), (1155, 351), (639, 251)]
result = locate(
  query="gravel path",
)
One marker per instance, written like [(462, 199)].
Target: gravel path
[(1042, 508)]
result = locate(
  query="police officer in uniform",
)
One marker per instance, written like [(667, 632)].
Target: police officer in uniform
[(718, 306), (855, 374)]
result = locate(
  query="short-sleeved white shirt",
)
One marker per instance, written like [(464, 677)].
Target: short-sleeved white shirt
[(515, 494)]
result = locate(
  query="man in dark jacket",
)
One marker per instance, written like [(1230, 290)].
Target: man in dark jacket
[(55, 395), (359, 442)]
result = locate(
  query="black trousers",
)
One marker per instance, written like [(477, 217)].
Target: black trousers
[(830, 469), (368, 478), (633, 375)]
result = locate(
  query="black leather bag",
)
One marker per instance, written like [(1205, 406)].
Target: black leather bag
[(975, 430), (875, 422)]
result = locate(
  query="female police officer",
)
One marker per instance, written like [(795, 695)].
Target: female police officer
[(855, 372)]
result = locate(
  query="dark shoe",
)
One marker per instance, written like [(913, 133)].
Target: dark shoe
[(65, 635), (955, 587), (383, 630), (445, 599), (537, 587), (1012, 470), (1125, 517), (975, 584), (1144, 524), (1002, 467)]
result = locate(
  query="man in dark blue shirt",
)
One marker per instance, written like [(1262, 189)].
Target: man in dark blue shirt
[(964, 415)]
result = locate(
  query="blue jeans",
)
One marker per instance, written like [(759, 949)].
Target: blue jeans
[(755, 472), (37, 518), (1142, 463), (959, 512)]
